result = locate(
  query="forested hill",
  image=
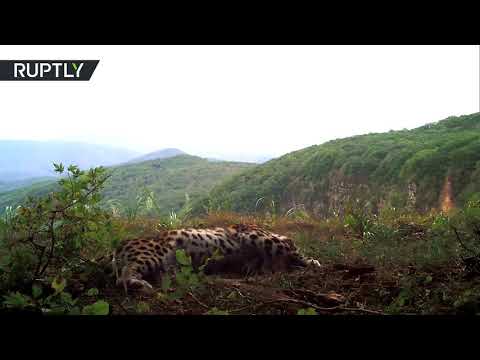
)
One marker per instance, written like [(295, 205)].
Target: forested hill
[(435, 164), (169, 179)]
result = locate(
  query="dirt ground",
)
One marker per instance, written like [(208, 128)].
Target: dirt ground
[(336, 289)]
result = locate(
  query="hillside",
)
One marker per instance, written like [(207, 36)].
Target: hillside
[(160, 154), (398, 168), (170, 179), (22, 160), (11, 185)]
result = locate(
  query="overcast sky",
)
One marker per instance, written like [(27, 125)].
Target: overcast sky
[(227, 101)]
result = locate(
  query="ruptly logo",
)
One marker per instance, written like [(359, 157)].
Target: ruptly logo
[(47, 70)]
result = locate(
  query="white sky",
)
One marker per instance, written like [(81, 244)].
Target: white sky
[(229, 101)]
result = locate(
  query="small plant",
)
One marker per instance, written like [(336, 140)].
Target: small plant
[(215, 311), (307, 311), (100, 307), (175, 220), (359, 220), (298, 212), (134, 205), (142, 307), (468, 302), (56, 303), (186, 278)]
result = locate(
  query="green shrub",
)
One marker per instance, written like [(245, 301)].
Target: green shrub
[(56, 233), (53, 301)]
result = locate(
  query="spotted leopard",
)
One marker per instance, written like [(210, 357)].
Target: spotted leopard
[(244, 249)]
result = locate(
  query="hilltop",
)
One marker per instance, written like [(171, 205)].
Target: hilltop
[(407, 168), (160, 154)]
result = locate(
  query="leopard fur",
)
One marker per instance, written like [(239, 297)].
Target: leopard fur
[(245, 249)]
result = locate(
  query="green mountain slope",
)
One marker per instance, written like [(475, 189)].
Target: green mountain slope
[(11, 185), (170, 179), (398, 168)]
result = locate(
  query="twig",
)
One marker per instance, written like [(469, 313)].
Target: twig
[(362, 310), (240, 293), (461, 242), (50, 255), (198, 301), (121, 306), (309, 304)]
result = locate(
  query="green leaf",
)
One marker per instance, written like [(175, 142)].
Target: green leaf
[(73, 169), (182, 257), (92, 292), (307, 311), (16, 300), (166, 283), (181, 278), (59, 167), (193, 280), (58, 284), (143, 307), (67, 298), (215, 311), (98, 308), (36, 291)]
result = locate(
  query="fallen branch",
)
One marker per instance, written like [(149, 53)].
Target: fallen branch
[(198, 301), (307, 304), (461, 242)]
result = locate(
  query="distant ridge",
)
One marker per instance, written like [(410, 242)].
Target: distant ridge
[(170, 179), (25, 159), (160, 154)]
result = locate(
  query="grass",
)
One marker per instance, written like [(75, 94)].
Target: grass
[(408, 267), (396, 262)]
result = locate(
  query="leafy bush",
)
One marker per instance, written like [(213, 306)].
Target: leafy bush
[(53, 235), (57, 302)]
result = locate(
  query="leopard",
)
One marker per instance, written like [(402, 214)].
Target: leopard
[(243, 248)]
